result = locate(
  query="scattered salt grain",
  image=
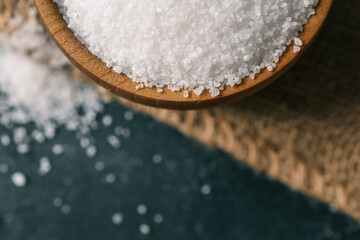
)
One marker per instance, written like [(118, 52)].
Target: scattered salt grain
[(65, 209), (298, 42), (157, 159), (117, 218), (4, 168), (107, 120), (114, 141), (141, 209), (99, 166), (206, 189), (57, 202), (5, 140), (84, 142), (186, 94), (38, 136), (158, 218), (20, 134), (44, 166), (23, 148), (160, 90), (129, 115), (110, 178), (144, 229), (91, 151), (297, 49), (238, 37), (18, 179), (57, 149)]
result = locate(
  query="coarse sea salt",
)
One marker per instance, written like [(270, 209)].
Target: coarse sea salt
[(183, 44)]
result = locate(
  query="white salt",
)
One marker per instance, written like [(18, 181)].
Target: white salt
[(114, 141), (107, 120), (158, 218), (44, 166), (144, 229), (110, 178), (23, 148), (186, 94), (4, 168), (91, 151), (5, 140), (298, 42), (117, 218), (297, 49), (141, 209), (129, 115), (57, 202), (187, 44), (157, 159), (206, 189), (99, 166), (57, 149), (18, 179), (65, 209)]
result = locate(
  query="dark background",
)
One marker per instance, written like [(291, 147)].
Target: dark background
[(243, 204)]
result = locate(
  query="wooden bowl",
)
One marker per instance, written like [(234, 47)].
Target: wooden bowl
[(121, 85)]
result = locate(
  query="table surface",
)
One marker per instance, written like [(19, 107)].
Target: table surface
[(242, 204)]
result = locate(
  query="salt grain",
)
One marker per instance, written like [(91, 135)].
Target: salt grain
[(99, 166), (23, 148), (107, 120), (65, 209), (4, 168), (57, 202), (206, 189), (157, 158), (158, 218), (57, 149), (117, 218), (5, 140), (91, 151), (129, 115), (18, 179), (298, 42), (141, 209), (113, 141), (297, 49), (110, 178), (44, 166), (144, 229), (238, 37)]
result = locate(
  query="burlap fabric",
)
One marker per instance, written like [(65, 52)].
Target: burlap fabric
[(304, 129)]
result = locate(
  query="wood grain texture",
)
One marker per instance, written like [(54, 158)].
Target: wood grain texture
[(123, 86)]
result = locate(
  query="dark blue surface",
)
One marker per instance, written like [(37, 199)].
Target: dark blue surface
[(242, 205)]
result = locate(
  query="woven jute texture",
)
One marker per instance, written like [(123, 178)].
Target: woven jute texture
[(303, 130)]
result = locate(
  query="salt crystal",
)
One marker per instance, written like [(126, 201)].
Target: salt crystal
[(18, 179), (186, 94), (4, 168), (44, 166), (91, 151), (206, 189), (99, 166), (297, 49), (236, 37), (160, 90), (158, 218), (157, 158), (57, 202), (57, 149), (298, 42), (129, 115), (5, 140), (65, 209), (113, 141), (23, 148), (117, 218), (144, 229), (110, 178), (141, 209), (107, 120)]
